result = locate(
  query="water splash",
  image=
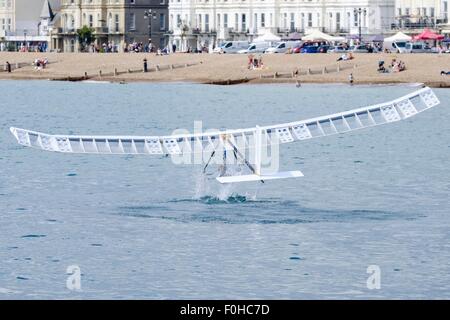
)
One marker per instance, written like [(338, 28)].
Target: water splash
[(207, 187)]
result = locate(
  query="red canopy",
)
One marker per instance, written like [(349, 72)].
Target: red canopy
[(427, 34)]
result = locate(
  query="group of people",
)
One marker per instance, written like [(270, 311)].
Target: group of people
[(109, 47), (255, 63), (40, 63), (395, 66)]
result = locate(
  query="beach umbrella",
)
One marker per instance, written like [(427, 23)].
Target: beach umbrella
[(427, 34)]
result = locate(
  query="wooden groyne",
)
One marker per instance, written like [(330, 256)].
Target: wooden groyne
[(309, 71), (229, 82), (14, 66)]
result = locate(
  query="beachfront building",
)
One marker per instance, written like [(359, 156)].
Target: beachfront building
[(24, 24), (115, 23), (415, 15), (198, 23)]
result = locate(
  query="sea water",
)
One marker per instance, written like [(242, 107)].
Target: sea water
[(142, 227)]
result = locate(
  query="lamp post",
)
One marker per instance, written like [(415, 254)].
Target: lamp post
[(358, 12), (150, 15)]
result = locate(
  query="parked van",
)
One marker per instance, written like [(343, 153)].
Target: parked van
[(256, 47), (417, 47), (282, 47), (231, 47), (395, 46)]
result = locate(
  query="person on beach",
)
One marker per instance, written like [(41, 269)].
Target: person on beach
[(8, 67), (250, 61), (445, 73), (345, 57), (145, 65), (351, 79)]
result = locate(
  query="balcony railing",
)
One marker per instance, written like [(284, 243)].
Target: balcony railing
[(101, 30)]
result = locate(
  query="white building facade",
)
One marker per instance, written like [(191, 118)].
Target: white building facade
[(197, 23), (418, 14)]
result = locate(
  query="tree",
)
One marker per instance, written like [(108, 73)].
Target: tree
[(85, 36)]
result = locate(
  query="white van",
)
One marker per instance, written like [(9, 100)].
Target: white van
[(395, 46), (417, 47), (256, 47), (282, 47), (231, 47)]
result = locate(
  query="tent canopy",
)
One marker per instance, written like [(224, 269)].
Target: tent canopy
[(374, 38), (317, 35), (294, 36), (399, 36), (267, 37), (427, 34)]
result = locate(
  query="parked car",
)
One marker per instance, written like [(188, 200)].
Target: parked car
[(323, 48), (337, 49), (309, 49), (297, 49), (361, 48), (231, 47), (257, 47), (417, 47), (282, 47)]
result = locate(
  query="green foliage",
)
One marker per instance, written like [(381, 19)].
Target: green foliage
[(86, 36)]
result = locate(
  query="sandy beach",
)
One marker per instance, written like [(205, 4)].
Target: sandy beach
[(208, 68)]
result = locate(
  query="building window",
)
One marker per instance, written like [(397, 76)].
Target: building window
[(310, 22), (292, 25), (162, 21), (225, 20), (110, 25), (206, 22), (116, 23), (236, 22), (338, 21), (263, 20), (91, 20), (445, 10), (218, 21), (132, 21), (244, 23), (179, 20)]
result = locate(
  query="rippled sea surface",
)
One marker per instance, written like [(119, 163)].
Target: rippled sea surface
[(141, 227)]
